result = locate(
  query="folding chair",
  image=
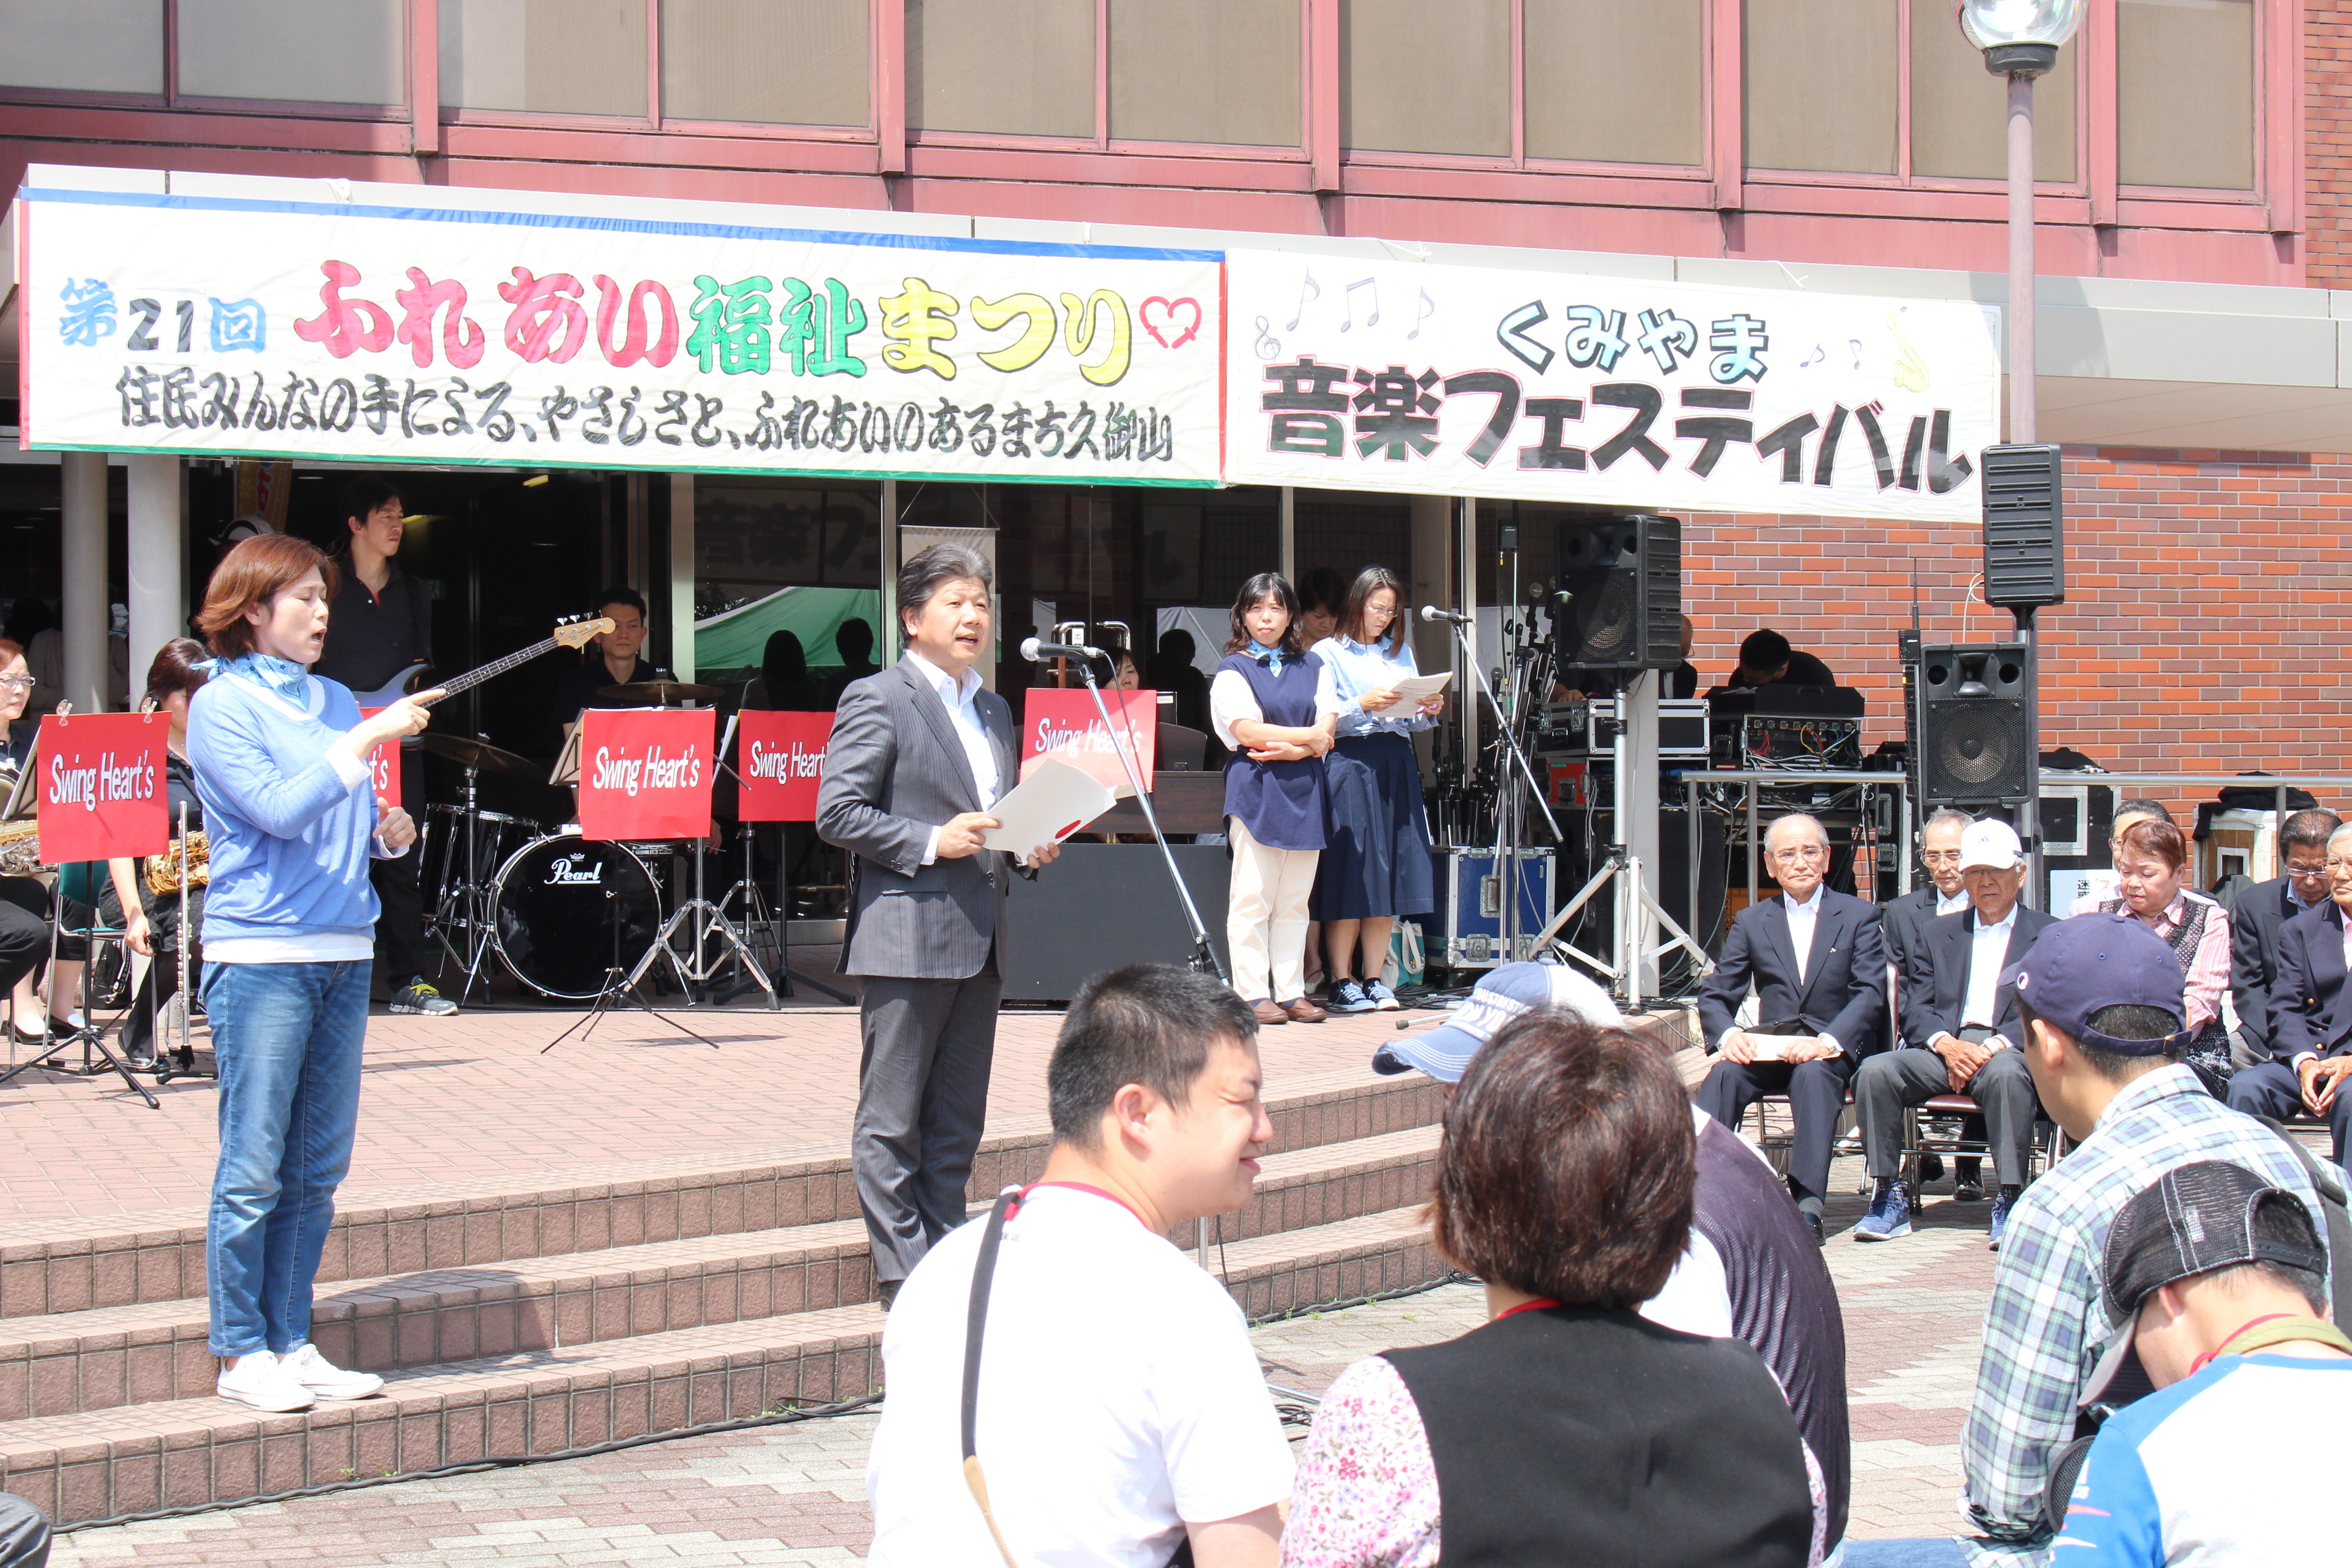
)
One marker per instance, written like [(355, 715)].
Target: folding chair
[(76, 886), (1936, 1127)]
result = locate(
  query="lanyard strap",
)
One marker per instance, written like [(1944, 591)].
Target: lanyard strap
[(2275, 1329), (983, 1274)]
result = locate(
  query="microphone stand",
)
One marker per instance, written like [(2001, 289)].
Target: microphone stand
[(1204, 956), (1506, 817)]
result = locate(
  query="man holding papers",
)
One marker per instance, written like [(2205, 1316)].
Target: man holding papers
[(919, 754)]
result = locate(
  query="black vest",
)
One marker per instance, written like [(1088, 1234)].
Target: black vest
[(1572, 1436)]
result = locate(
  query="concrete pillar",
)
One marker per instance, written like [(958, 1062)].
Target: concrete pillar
[(681, 575), (885, 635), (1289, 536), (86, 614), (157, 560)]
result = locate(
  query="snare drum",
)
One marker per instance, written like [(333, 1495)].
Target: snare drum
[(446, 869), (568, 910)]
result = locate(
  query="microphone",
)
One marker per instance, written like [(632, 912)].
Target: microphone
[(1037, 652), (1432, 612)]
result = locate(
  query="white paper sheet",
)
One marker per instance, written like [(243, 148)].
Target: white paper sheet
[(1047, 807), (1415, 689), (1775, 1047)]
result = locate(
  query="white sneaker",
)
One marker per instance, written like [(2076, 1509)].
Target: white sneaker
[(324, 1379), (261, 1380)]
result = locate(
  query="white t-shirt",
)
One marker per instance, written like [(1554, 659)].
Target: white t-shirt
[(1119, 1396)]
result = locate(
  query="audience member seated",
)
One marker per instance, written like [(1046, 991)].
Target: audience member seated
[(1568, 1428), (1120, 1412), (1814, 960), (2152, 886), (1899, 924), (1767, 659), (2219, 1281), (1959, 1028), (2100, 1000), (2254, 921), (2101, 885), (1751, 1270), (2310, 1014)]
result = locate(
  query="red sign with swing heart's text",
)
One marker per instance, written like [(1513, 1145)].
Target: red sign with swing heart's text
[(781, 763), (384, 765), (101, 777), (645, 772)]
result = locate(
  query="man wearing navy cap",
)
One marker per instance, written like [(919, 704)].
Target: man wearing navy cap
[(2104, 1024)]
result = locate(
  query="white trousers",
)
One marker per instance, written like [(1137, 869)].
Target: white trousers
[(1265, 917)]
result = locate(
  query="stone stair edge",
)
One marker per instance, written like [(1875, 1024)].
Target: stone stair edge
[(39, 1240)]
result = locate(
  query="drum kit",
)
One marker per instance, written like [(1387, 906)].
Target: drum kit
[(572, 918)]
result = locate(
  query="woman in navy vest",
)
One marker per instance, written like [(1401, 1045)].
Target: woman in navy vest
[(1262, 704)]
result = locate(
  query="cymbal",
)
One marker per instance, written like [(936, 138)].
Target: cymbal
[(662, 693), (468, 751)]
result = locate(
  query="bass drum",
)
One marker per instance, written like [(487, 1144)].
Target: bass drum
[(560, 901)]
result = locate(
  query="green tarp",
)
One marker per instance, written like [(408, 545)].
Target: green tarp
[(738, 638)]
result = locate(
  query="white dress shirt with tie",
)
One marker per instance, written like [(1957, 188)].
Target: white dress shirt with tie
[(1802, 920), (1988, 954), (962, 699)]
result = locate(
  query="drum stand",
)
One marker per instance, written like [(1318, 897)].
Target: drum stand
[(471, 906), (708, 919), (621, 985)]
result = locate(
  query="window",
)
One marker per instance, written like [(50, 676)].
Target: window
[(1205, 70), (2185, 93), (44, 44), (1960, 110), (545, 56), (1407, 85), (351, 51), (1609, 82), (1017, 68), (788, 62), (1821, 85)]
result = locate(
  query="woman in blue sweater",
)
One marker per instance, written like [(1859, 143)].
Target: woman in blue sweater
[(281, 764)]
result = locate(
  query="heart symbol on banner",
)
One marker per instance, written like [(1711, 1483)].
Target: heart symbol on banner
[(1168, 318)]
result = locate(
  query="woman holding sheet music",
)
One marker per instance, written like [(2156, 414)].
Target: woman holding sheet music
[(1375, 864), (281, 759)]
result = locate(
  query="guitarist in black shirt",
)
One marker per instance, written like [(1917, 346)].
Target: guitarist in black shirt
[(380, 624)]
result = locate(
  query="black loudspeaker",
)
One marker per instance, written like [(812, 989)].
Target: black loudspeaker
[(2024, 532), (1620, 593), (1973, 723)]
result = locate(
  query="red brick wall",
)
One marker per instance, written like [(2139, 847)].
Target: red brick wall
[(2327, 142), (2206, 625)]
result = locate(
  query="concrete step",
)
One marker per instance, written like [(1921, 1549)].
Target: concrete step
[(102, 1357), (49, 1268), (134, 1458)]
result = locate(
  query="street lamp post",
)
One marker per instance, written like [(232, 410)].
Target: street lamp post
[(2020, 40)]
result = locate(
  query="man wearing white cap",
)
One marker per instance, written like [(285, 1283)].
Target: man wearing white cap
[(1959, 1025)]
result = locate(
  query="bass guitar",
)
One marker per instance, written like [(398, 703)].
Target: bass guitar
[(572, 631)]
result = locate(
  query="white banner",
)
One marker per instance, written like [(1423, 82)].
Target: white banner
[(531, 336), (1449, 380)]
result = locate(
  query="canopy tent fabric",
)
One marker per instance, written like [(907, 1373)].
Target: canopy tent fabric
[(738, 638)]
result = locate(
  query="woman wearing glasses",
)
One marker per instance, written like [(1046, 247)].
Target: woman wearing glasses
[(23, 902), (1375, 864)]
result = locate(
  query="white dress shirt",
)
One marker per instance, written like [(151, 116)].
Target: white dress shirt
[(1801, 918), (962, 699), (1988, 955), (1952, 905)]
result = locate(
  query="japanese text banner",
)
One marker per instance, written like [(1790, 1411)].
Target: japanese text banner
[(1620, 392), (203, 324)]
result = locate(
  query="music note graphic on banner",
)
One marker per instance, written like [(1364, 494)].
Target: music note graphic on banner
[(1374, 319), (1428, 308), (1307, 289), (1267, 344), (1819, 356)]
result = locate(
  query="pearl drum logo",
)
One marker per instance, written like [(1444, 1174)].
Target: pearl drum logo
[(575, 870)]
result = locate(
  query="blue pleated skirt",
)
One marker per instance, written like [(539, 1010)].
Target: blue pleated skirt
[(1376, 849)]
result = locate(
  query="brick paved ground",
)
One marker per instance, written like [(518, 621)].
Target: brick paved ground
[(471, 1097), (795, 1495)]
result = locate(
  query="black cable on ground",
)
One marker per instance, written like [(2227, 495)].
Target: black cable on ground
[(706, 1429)]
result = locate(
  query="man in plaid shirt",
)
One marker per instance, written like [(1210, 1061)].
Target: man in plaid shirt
[(2101, 995)]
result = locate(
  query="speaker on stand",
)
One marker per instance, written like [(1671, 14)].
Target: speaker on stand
[(1973, 731)]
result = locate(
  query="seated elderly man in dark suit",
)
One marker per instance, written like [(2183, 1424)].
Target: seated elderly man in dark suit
[(1814, 957), (2255, 918), (2312, 1012), (1959, 1025)]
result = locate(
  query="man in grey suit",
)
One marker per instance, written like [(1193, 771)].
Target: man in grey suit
[(920, 753)]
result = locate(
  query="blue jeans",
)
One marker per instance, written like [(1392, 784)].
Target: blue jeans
[(287, 1037)]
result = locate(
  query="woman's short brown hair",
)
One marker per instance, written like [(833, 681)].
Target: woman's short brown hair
[(257, 570), (2160, 839), (1567, 1165)]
